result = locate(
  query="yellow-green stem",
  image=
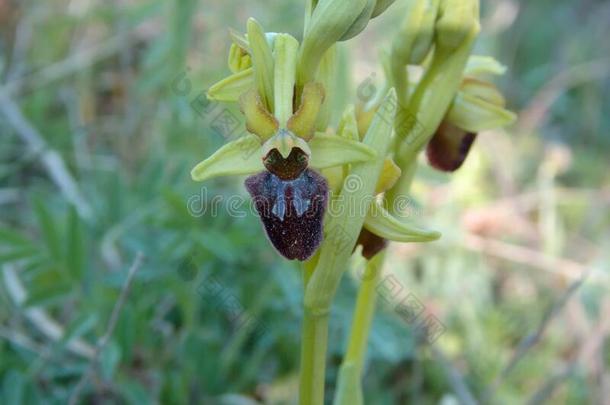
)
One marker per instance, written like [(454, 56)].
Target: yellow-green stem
[(313, 330), (363, 314), (349, 390), (313, 359)]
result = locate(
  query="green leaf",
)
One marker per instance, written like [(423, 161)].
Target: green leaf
[(80, 326), (334, 150), (13, 387), (346, 226), (12, 237), (49, 229), (19, 252), (232, 87), (75, 247), (235, 158), (43, 294), (382, 223), (109, 359)]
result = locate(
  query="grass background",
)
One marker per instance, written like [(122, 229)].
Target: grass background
[(111, 91)]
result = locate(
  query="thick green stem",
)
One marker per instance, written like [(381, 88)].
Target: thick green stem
[(313, 359), (314, 330)]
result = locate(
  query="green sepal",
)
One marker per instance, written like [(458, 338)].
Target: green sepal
[(262, 62), (238, 157), (483, 65), (474, 114), (239, 39), (286, 49), (232, 87), (382, 223), (333, 150)]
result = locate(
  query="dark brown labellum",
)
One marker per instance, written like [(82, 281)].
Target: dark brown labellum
[(289, 168), (371, 243), (449, 147), (292, 211)]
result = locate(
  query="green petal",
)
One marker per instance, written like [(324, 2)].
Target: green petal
[(334, 150), (474, 114), (303, 122), (382, 223), (232, 87), (258, 120), (237, 157), (262, 61)]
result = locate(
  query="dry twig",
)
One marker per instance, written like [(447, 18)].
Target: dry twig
[(114, 317)]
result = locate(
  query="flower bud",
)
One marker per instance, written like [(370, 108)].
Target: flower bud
[(449, 147), (457, 20), (330, 21), (416, 35), (479, 106), (361, 22), (381, 6)]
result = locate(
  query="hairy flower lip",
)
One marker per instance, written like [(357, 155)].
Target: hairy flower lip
[(292, 212)]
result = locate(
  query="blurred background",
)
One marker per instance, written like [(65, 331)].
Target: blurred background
[(102, 118)]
